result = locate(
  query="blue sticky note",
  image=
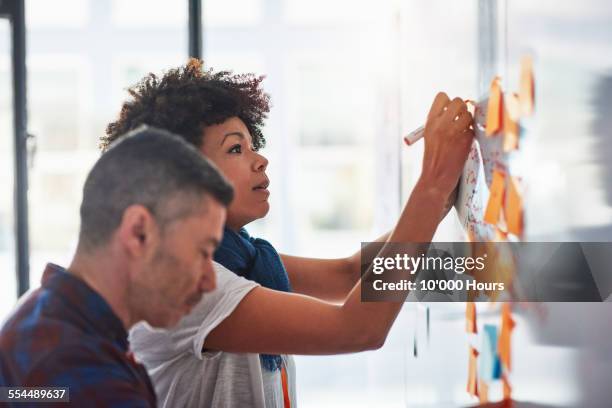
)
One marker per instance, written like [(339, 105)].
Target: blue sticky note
[(490, 364)]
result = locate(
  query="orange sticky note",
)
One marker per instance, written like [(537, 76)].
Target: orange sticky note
[(472, 385), (527, 86), (511, 122), (496, 197), (513, 209), (503, 343), (470, 317), (494, 108), (483, 392), (507, 387)]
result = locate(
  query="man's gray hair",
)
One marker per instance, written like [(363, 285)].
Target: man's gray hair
[(150, 167)]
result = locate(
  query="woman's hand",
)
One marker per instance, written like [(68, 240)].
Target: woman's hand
[(448, 138)]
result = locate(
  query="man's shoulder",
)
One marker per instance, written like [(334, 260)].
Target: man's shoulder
[(87, 355), (92, 369), (94, 372), (38, 345), (35, 351), (33, 328)]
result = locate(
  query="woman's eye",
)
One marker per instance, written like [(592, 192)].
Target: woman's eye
[(235, 149)]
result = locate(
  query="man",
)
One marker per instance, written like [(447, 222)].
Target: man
[(152, 215)]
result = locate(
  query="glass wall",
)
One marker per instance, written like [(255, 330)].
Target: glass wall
[(439, 52), (79, 65), (570, 198), (572, 48), (566, 153), (8, 289)]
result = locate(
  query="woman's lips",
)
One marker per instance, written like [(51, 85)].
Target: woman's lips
[(262, 187), (262, 191)]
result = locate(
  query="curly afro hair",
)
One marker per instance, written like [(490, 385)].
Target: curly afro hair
[(187, 99)]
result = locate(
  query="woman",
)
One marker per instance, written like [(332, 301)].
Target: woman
[(199, 362)]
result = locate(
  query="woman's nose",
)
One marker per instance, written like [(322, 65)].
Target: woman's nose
[(261, 163)]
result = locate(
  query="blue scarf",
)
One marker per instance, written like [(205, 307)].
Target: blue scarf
[(257, 260)]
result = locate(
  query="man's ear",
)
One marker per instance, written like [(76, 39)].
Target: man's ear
[(138, 231)]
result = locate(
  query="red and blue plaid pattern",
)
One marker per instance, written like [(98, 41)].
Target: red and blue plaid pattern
[(64, 334)]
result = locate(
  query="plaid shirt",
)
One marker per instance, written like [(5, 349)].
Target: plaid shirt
[(64, 334)]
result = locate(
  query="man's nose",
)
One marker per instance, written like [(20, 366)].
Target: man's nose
[(208, 282)]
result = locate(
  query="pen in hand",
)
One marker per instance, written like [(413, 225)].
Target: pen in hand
[(414, 136)]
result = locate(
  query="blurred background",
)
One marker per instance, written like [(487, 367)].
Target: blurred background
[(347, 78)]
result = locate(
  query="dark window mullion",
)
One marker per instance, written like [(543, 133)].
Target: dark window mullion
[(195, 28), (14, 11)]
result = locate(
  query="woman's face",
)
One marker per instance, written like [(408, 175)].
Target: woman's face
[(229, 146)]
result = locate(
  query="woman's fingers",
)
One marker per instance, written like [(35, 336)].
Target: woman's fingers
[(464, 119), (454, 108), (439, 104)]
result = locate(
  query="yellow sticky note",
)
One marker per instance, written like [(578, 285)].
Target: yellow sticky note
[(470, 318), (496, 197), (527, 86), (511, 122), (494, 108), (472, 385), (513, 209), (503, 343)]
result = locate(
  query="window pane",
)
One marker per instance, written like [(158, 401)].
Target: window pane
[(325, 112), (435, 57), (227, 13), (8, 288), (148, 13), (66, 13), (572, 49), (77, 80), (439, 52), (332, 12)]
